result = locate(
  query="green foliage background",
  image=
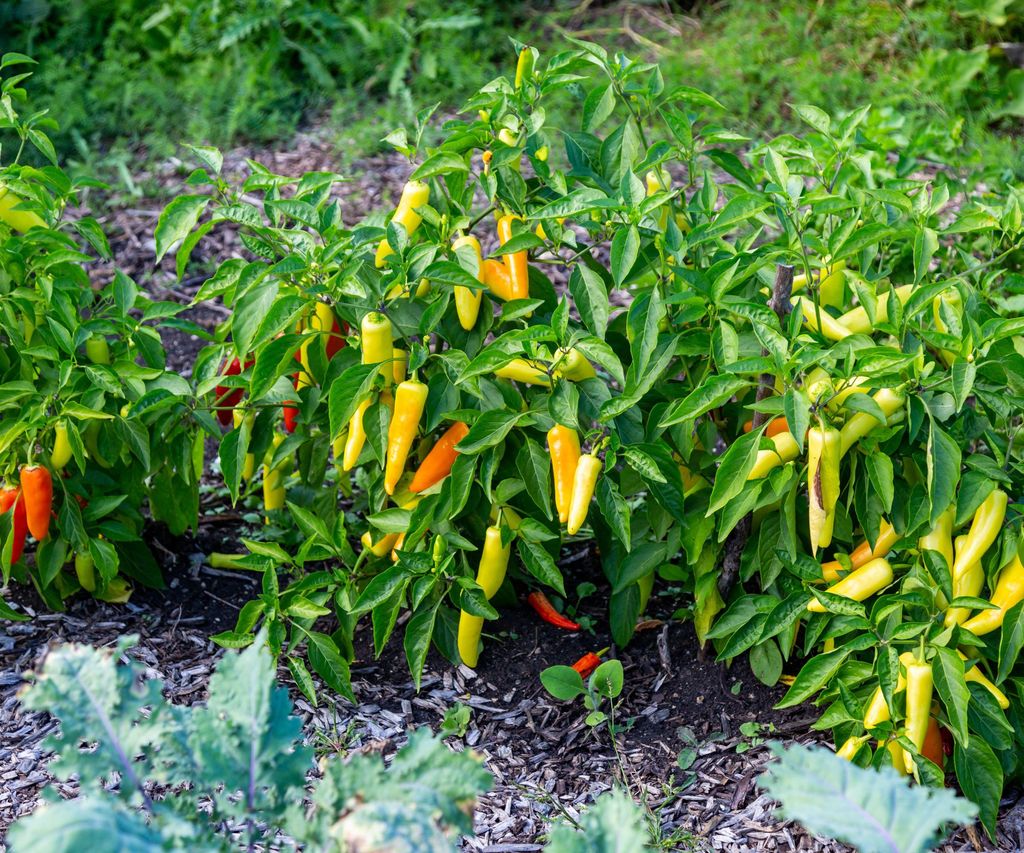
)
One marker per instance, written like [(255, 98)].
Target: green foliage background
[(945, 75)]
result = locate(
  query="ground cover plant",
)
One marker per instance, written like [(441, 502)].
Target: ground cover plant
[(775, 386)]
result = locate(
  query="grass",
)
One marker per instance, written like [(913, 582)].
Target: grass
[(136, 88)]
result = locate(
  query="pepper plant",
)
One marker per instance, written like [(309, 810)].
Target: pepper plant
[(94, 428), (813, 384)]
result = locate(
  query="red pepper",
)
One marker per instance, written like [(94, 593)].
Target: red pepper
[(588, 663), (291, 416), (546, 611), (225, 399), (37, 495), (290, 410), (336, 340), (19, 523)]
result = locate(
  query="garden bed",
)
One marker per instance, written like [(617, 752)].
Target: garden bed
[(546, 761)]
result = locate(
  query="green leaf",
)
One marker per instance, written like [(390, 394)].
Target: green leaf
[(489, 430), (534, 466), (562, 682), (303, 680), (948, 673), (440, 163), (625, 248), (325, 658), (541, 565), (711, 394), (736, 464), (346, 393), (607, 679), (177, 220), (1011, 640), (417, 641), (943, 470), (591, 299), (981, 779), (639, 563), (814, 675)]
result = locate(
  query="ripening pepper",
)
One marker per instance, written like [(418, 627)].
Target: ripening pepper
[(988, 521), (290, 410), (543, 607), (91, 439), (919, 705), (860, 424), (356, 437), (439, 461), (85, 570), (399, 362), (586, 665), (225, 399), (1009, 590), (822, 483), (775, 427), (975, 674), (521, 370), (967, 581), (61, 453), (517, 262), (324, 322), (415, 194), (375, 343), (832, 283), (583, 484), (507, 137), (467, 301), (564, 449), (940, 537), (12, 502), (857, 320), (37, 493), (97, 350), (249, 463), (496, 276), (410, 401), (830, 327), (19, 220), (877, 711), (851, 746), (860, 584), (863, 553), (490, 575), (382, 546), (952, 302), (575, 367), (786, 450), (524, 67), (273, 478), (399, 289)]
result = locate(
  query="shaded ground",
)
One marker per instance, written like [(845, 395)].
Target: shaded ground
[(547, 763)]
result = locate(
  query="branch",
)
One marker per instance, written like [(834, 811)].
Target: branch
[(780, 302)]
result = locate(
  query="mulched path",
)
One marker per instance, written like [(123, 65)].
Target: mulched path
[(547, 763)]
